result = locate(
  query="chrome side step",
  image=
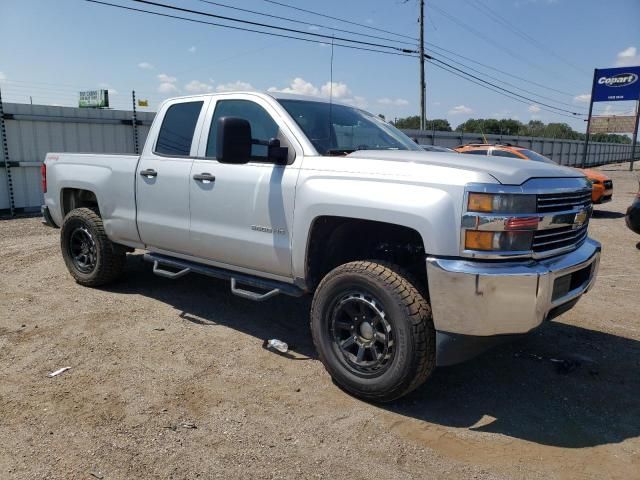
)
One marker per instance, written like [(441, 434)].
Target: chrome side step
[(183, 267)]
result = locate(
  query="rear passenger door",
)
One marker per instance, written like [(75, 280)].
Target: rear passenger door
[(162, 177)]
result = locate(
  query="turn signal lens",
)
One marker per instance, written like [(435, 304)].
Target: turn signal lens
[(508, 203), (475, 240), (498, 241), (480, 202)]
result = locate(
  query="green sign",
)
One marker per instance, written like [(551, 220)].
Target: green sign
[(94, 99)]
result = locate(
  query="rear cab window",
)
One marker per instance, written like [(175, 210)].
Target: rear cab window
[(178, 127)]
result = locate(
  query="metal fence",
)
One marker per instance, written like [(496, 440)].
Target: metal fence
[(33, 130), (564, 152), (30, 131)]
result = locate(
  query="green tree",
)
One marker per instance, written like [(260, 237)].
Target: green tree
[(439, 125), (412, 122)]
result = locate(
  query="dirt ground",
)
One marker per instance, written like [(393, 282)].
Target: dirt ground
[(169, 379)]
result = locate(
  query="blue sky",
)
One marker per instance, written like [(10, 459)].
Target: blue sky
[(52, 49)]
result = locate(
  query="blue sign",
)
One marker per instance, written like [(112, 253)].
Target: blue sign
[(615, 84)]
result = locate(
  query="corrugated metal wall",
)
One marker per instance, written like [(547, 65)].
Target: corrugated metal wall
[(564, 152), (34, 130)]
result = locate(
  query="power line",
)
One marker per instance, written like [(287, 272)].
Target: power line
[(506, 83), (433, 45), (426, 43), (503, 89), (484, 37), (402, 53), (344, 39), (486, 10), (498, 91), (339, 19), (287, 19), (266, 25), (452, 69)]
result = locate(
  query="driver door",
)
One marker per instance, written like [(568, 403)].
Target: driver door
[(242, 214)]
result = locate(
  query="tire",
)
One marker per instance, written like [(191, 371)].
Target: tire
[(91, 258), (381, 300)]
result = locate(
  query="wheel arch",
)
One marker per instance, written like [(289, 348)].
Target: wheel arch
[(335, 240)]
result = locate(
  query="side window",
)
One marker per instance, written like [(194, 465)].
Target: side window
[(503, 153), (477, 152), (263, 127), (178, 126)]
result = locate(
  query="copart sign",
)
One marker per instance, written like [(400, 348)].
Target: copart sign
[(613, 84)]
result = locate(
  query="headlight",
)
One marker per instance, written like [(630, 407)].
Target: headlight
[(501, 203), (498, 241)]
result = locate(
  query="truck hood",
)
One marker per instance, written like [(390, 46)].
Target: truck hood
[(507, 171)]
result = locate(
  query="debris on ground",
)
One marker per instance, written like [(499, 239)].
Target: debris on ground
[(277, 345), (58, 372)]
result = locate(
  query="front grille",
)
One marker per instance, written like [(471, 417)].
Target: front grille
[(554, 238), (559, 202), (608, 184)]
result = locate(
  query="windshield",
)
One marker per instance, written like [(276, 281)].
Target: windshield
[(536, 157), (339, 130)]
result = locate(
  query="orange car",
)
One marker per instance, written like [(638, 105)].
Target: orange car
[(602, 190)]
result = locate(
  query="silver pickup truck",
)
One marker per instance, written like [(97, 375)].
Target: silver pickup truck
[(414, 259)]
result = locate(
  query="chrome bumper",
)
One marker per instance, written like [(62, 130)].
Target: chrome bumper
[(490, 298)]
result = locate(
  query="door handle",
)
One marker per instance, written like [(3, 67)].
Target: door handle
[(149, 172), (204, 177)]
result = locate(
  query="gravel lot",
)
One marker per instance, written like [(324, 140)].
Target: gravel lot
[(169, 379)]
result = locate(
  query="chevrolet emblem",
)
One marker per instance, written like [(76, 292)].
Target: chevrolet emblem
[(580, 219)]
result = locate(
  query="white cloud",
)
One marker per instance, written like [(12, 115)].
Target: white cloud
[(167, 88), (299, 86), (145, 66), (582, 98), (234, 86), (628, 57), (337, 90), (534, 108), (192, 49), (314, 28), (459, 110), (2, 76), (196, 86), (164, 78), (398, 102)]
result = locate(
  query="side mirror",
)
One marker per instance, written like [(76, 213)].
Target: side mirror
[(233, 140), (277, 154)]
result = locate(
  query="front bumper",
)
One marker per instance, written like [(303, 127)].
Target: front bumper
[(497, 298)]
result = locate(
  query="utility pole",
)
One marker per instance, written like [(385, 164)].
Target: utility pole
[(423, 118)]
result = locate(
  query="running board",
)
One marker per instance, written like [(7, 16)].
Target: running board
[(183, 267)]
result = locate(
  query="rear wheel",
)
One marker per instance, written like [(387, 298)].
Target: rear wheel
[(91, 258), (373, 330)]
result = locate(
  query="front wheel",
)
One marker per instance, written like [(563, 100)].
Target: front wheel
[(91, 258), (373, 330)]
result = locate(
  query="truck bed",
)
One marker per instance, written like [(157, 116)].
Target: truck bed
[(110, 176)]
